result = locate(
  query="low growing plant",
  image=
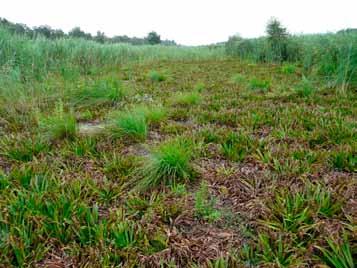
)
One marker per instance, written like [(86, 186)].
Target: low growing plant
[(205, 204)]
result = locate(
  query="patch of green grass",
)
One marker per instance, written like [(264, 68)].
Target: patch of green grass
[(276, 252), (338, 255), (205, 204), (130, 124), (325, 204), (84, 146), (59, 125), (258, 84), (166, 165), (288, 69), (199, 87), (156, 76), (344, 161), (154, 114), (105, 91), (209, 136), (304, 88), (178, 189), (238, 79), (236, 146), (124, 235), (186, 98), (24, 149), (116, 166), (291, 213)]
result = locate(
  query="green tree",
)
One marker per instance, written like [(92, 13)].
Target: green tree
[(278, 40), (100, 37), (153, 38), (44, 30), (78, 33)]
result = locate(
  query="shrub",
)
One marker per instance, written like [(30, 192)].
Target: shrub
[(153, 38), (168, 164)]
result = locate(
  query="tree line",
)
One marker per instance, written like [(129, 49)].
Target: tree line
[(46, 31)]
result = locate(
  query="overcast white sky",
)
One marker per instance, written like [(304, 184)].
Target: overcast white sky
[(189, 22)]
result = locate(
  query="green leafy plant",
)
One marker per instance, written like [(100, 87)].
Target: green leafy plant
[(24, 149), (338, 255), (345, 161), (276, 252), (124, 235), (326, 205), (290, 212), (236, 146), (199, 87)]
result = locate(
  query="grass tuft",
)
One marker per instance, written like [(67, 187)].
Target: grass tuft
[(186, 98), (156, 76), (59, 125), (153, 114), (257, 84), (130, 124), (338, 255), (167, 165)]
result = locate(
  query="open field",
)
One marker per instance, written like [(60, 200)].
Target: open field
[(215, 163), (233, 155)]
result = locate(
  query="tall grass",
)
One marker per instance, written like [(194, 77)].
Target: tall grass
[(331, 56), (22, 57)]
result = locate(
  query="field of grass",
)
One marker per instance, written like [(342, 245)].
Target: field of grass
[(201, 162)]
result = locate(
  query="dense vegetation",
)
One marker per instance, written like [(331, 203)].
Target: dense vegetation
[(333, 56), (235, 155), (46, 31)]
